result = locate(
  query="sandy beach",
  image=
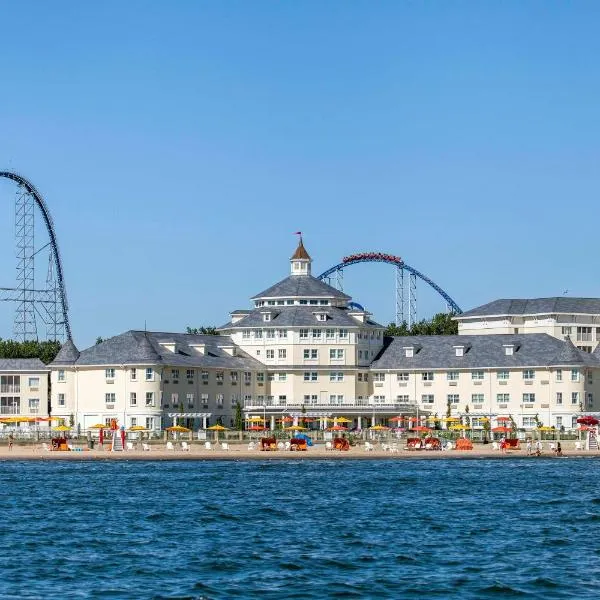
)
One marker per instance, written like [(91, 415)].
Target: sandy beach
[(241, 452)]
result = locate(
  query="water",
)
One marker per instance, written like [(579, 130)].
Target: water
[(300, 529)]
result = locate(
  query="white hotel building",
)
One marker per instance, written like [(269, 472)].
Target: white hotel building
[(301, 350)]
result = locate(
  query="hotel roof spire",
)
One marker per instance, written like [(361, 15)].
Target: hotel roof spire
[(301, 260)]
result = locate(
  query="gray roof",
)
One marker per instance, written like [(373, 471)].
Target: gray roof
[(67, 355), (300, 316), (535, 306), (22, 364), (303, 286), (141, 348), (485, 351)]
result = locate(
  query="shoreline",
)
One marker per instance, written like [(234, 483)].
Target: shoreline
[(243, 454)]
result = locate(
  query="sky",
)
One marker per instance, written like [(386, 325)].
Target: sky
[(179, 145)]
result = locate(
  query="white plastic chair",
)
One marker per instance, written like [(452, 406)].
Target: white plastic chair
[(251, 446), (368, 447), (170, 446), (280, 446), (287, 446), (224, 446), (394, 448), (185, 446), (70, 447), (552, 447), (45, 447), (145, 447), (128, 445), (329, 446), (207, 446), (495, 446)]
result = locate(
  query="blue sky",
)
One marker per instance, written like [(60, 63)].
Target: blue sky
[(179, 145)]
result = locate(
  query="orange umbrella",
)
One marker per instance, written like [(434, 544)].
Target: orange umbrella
[(420, 428), (501, 429), (337, 428)]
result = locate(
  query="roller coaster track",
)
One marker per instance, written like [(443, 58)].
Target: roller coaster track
[(42, 295), (396, 261)]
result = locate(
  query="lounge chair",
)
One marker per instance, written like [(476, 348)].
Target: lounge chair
[(368, 447), (170, 446), (280, 446), (45, 447), (394, 448), (128, 445), (185, 446), (495, 446), (329, 446), (207, 446), (287, 446), (251, 446), (145, 447), (224, 446)]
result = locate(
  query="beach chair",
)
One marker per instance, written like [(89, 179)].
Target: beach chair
[(394, 448), (495, 446), (128, 446), (145, 447), (287, 446), (280, 446), (251, 446), (45, 447), (368, 447), (577, 445), (207, 446), (185, 446), (170, 446), (329, 446), (70, 446), (224, 446)]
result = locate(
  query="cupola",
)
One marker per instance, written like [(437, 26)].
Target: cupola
[(300, 261)]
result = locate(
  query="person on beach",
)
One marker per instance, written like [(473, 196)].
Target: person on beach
[(529, 448), (538, 448), (10, 441), (558, 449), (503, 445)]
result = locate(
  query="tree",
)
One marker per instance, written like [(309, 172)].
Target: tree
[(448, 407), (513, 425), (538, 423), (204, 330), (467, 418), (45, 351), (440, 324), (239, 421), (99, 340)]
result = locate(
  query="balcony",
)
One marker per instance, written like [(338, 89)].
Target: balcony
[(364, 406)]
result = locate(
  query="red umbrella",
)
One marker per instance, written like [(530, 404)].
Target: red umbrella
[(338, 428), (420, 428), (501, 429), (502, 419), (588, 420), (256, 428)]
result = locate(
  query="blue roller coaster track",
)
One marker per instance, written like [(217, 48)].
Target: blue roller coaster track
[(61, 286), (401, 267)]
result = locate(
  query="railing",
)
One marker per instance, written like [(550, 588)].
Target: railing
[(363, 405)]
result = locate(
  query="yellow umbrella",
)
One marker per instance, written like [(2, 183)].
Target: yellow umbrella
[(451, 419), (216, 428), (138, 428), (176, 428), (343, 420), (458, 427), (99, 426), (295, 428), (12, 419), (546, 428), (379, 428), (61, 428), (255, 420)]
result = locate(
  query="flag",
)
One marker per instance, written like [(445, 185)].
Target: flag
[(297, 233)]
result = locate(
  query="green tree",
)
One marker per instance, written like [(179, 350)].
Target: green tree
[(239, 420), (204, 330), (467, 418), (46, 351), (538, 423), (513, 425), (439, 324), (448, 407), (99, 340)]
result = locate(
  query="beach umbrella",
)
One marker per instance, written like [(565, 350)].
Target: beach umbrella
[(451, 420), (255, 420), (502, 419), (295, 428), (256, 428), (61, 428), (285, 420), (379, 428), (343, 420), (588, 420), (99, 426), (138, 428), (337, 428), (216, 428), (178, 428), (501, 429), (459, 427)]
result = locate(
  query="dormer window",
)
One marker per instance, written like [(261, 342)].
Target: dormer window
[(509, 349), (459, 350), (267, 317), (321, 317), (409, 351)]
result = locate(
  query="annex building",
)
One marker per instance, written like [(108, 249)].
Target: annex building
[(302, 350)]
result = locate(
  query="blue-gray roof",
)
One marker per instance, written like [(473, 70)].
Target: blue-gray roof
[(301, 286), (300, 316), (22, 364), (535, 306), (484, 351), (144, 348), (67, 355)]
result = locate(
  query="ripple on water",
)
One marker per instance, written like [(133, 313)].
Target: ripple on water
[(308, 529)]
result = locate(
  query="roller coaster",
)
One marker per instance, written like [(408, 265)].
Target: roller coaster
[(46, 303), (406, 295)]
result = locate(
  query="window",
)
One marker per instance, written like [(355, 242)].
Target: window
[(378, 399), (330, 334), (61, 399), (149, 422), (133, 422), (282, 333), (219, 375), (61, 375), (204, 400), (109, 373), (529, 422), (528, 398), (34, 405), (281, 353), (258, 333), (558, 397), (590, 377), (558, 374), (477, 398), (109, 398), (321, 317), (452, 375), (584, 334), (502, 398), (598, 334), (453, 398), (403, 398), (234, 399), (149, 398), (528, 374), (34, 383), (574, 374), (271, 376), (10, 384), (343, 334), (247, 377), (219, 398), (233, 377), (304, 334), (590, 400), (267, 317), (260, 377), (282, 400), (427, 398), (427, 376), (336, 398), (559, 422), (310, 399), (574, 397), (270, 354), (502, 375), (336, 376), (311, 354), (132, 399), (336, 354), (133, 374), (402, 377), (149, 374), (204, 377), (566, 331), (316, 334), (310, 376), (246, 334), (175, 400), (281, 376), (189, 374), (378, 377), (270, 334), (477, 375)]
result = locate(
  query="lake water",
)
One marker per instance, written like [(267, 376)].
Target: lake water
[(301, 529)]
